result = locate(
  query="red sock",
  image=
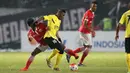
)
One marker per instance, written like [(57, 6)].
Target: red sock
[(28, 63), (85, 53), (77, 50), (70, 52)]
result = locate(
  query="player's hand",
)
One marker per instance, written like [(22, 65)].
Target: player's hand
[(116, 37)]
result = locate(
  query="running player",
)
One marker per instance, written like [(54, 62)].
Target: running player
[(86, 33), (125, 19)]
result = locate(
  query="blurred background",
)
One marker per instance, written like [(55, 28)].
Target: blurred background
[(13, 15)]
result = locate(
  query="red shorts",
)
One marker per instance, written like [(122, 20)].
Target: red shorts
[(34, 38)]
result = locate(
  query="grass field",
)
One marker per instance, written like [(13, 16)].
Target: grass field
[(96, 62)]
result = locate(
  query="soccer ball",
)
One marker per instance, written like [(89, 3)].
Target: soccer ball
[(73, 67)]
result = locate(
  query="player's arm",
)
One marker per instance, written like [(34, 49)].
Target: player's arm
[(57, 34), (92, 30), (44, 18), (117, 31), (121, 22), (86, 26)]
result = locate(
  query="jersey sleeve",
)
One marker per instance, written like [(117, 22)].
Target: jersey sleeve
[(122, 20), (46, 17)]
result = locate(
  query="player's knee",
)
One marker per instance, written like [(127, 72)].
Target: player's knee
[(88, 46), (33, 53)]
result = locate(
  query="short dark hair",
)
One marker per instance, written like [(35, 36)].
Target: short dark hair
[(62, 10), (30, 21), (94, 2)]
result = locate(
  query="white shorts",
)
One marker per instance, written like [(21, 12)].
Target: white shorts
[(43, 47), (86, 39)]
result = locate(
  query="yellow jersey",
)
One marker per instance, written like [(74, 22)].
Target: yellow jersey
[(53, 25), (125, 19)]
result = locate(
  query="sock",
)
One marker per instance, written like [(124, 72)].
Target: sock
[(30, 60), (59, 56), (55, 51), (79, 49), (70, 52), (128, 62), (85, 53)]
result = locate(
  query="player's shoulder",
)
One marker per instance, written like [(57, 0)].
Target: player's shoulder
[(88, 11), (127, 12), (51, 15)]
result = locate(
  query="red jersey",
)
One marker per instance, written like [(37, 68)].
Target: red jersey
[(39, 32), (89, 16)]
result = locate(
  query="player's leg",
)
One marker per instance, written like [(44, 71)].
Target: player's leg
[(70, 53), (80, 49), (84, 55), (50, 43), (53, 43), (60, 48), (84, 41), (88, 45), (127, 50), (36, 51), (55, 51), (30, 59)]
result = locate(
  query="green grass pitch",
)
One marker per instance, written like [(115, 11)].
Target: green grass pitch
[(96, 62)]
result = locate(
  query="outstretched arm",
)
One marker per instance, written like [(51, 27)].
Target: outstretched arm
[(121, 22)]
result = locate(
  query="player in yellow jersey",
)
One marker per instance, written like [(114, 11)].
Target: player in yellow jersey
[(125, 19), (51, 36)]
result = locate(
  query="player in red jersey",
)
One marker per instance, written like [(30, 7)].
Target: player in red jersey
[(35, 34), (86, 33)]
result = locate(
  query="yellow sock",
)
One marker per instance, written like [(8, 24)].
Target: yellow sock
[(59, 56), (55, 51), (128, 62)]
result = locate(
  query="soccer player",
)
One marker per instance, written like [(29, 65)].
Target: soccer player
[(52, 38), (125, 19), (35, 35), (86, 33)]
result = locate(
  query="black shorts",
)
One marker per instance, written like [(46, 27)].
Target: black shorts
[(54, 44), (127, 45)]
